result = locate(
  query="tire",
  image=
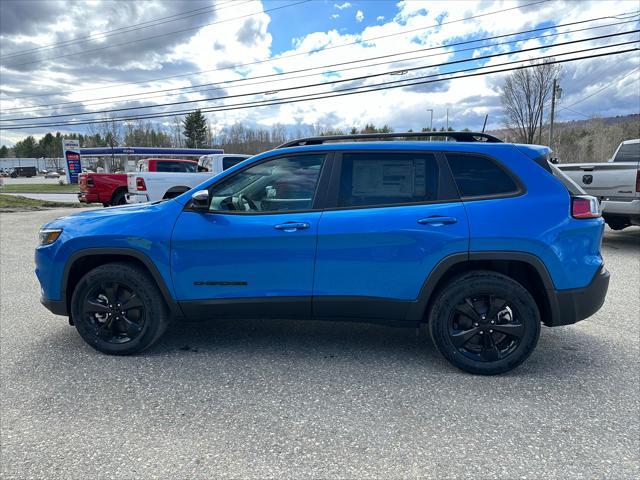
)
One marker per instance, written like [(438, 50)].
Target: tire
[(118, 198), (617, 223), (100, 297), (106, 204), (461, 329), (173, 194)]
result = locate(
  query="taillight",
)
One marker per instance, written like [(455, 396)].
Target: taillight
[(585, 206), (140, 185), (638, 181)]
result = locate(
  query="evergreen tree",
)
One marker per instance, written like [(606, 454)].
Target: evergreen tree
[(195, 130), (4, 151)]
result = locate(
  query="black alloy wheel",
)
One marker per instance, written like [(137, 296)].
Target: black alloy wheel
[(115, 312), (485, 328), (118, 309), (484, 322)]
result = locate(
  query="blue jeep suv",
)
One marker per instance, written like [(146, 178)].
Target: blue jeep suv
[(479, 239)]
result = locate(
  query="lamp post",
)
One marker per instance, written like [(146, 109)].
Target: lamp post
[(431, 122)]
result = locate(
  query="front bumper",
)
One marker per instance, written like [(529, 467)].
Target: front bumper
[(571, 306), (57, 307), (136, 198)]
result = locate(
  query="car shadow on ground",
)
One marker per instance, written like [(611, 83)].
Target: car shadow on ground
[(623, 240), (561, 352)]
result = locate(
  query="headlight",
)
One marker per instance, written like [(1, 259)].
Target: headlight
[(49, 235)]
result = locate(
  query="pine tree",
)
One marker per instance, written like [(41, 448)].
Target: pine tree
[(195, 130)]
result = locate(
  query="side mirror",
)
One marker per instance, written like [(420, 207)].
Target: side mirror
[(200, 200)]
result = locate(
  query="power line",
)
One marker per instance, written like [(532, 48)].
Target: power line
[(348, 91), (156, 36), (323, 49), (128, 29), (94, 102), (333, 82), (602, 89)]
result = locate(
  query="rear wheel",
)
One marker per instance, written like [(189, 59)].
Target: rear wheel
[(617, 223), (484, 322), (117, 309), (119, 198)]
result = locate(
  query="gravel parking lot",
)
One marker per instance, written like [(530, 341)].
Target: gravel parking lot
[(290, 399)]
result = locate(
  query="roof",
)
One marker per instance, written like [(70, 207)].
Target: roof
[(472, 137), (149, 151)]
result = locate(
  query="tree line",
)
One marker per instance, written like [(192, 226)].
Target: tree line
[(591, 141)]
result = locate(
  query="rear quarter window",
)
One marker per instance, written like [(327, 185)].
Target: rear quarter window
[(628, 152), (478, 176)]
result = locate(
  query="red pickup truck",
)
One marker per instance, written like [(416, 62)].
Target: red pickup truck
[(111, 188)]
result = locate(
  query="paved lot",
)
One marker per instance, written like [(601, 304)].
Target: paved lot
[(299, 400)]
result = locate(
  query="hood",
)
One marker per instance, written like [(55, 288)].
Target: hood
[(92, 215)]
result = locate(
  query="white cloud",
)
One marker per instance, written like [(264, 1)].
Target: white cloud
[(335, 15), (359, 16), (380, 18), (342, 6)]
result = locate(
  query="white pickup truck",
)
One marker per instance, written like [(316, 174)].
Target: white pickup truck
[(153, 186), (616, 183)]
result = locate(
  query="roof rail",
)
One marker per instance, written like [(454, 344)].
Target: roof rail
[(457, 136)]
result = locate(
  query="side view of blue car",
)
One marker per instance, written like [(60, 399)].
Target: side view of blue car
[(481, 240)]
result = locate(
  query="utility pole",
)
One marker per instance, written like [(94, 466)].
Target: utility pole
[(447, 119), (431, 123), (553, 110), (541, 117)]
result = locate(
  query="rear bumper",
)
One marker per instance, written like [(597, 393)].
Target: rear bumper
[(136, 198), (620, 208), (85, 197), (57, 307), (571, 306)]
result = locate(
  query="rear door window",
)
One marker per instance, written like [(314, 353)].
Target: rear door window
[(478, 176), (228, 162), (628, 152), (389, 178), (176, 167)]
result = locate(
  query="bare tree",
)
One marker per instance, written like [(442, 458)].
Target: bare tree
[(524, 96)]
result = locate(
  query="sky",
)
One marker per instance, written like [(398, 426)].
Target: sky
[(60, 57)]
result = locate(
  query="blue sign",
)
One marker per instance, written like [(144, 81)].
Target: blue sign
[(71, 149)]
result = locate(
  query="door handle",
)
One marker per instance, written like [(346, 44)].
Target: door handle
[(437, 221), (292, 226)]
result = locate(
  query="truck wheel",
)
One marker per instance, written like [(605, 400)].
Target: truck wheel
[(118, 198), (117, 309), (484, 322), (617, 223)]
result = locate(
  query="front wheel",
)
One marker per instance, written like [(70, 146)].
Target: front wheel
[(484, 323), (117, 309)]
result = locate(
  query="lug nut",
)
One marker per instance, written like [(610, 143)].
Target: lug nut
[(492, 322), (481, 332), (475, 324), (490, 331)]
